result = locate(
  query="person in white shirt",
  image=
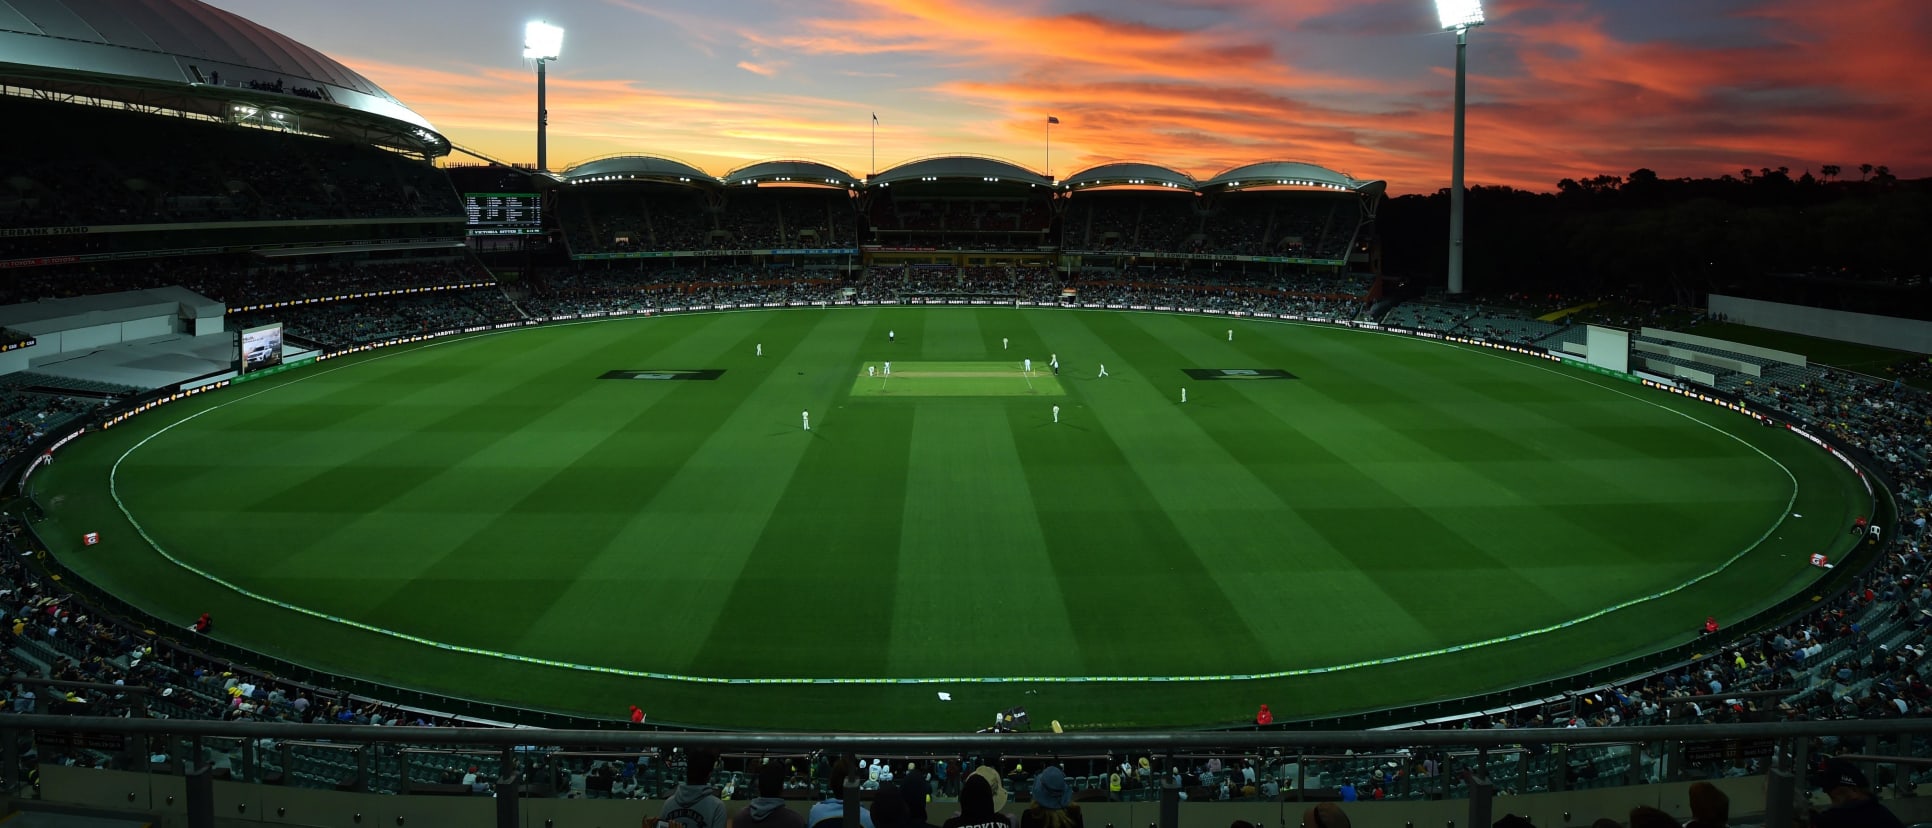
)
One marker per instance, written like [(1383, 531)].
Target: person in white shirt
[(1103, 369), (888, 369), (1029, 365), (806, 417), (1056, 413)]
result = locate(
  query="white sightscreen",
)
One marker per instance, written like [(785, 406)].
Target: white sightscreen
[(1609, 348)]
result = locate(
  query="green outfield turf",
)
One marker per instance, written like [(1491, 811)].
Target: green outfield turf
[(582, 517)]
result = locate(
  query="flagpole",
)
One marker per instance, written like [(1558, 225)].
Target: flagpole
[(1049, 149), (875, 149)]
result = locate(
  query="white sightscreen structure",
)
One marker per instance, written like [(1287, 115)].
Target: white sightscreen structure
[(1609, 349)]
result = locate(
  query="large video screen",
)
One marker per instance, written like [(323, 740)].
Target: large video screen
[(503, 214), (261, 347)]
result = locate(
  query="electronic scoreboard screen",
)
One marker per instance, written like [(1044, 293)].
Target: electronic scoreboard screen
[(503, 214)]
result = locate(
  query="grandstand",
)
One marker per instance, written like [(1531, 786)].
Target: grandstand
[(279, 187)]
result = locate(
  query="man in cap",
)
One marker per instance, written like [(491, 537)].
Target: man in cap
[(1852, 803)]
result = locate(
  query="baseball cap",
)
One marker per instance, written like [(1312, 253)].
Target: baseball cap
[(1837, 773)]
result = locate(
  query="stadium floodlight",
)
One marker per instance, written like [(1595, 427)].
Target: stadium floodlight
[(542, 43), (1458, 16)]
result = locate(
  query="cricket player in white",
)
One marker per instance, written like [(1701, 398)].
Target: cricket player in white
[(1002, 343), (1029, 365), (761, 349), (1230, 334), (892, 336), (888, 369), (1056, 361), (807, 416), (1183, 395), (1056, 413), (1103, 369), (870, 370)]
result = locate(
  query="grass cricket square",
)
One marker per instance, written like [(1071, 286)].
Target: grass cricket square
[(956, 379)]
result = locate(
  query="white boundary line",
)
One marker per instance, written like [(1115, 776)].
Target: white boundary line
[(450, 340)]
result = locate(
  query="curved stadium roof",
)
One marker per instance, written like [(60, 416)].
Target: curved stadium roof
[(958, 167), (808, 172), (187, 55), (1292, 174), (1131, 173), (636, 168)]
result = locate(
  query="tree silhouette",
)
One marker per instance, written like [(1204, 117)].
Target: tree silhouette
[(1830, 170), (1864, 171)]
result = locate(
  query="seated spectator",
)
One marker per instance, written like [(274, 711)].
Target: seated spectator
[(832, 807), (768, 810), (1710, 808), (1325, 815), (1052, 802), (695, 803), (980, 801), (1852, 803)]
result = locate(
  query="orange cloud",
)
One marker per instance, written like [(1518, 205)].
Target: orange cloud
[(1558, 89)]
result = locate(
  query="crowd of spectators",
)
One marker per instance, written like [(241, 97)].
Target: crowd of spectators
[(335, 325), (86, 173), (1244, 224), (680, 219), (238, 282), (27, 416), (1860, 654)]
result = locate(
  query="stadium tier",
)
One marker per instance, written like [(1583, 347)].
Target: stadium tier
[(300, 429)]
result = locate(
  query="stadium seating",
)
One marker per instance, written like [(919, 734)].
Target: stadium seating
[(89, 174)]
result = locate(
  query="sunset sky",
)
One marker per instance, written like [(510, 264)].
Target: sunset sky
[(1558, 88)]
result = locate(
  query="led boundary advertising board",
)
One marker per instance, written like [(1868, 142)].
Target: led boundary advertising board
[(261, 347), (503, 214)]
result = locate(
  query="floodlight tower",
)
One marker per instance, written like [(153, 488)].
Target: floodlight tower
[(542, 43), (1458, 16)]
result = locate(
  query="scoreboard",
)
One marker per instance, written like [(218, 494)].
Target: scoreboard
[(503, 214)]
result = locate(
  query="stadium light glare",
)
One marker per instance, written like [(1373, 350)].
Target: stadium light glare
[(1460, 14), (542, 41)]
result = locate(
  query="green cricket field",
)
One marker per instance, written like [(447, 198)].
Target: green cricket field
[(580, 517)]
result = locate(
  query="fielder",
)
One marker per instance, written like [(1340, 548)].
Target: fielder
[(1183, 395), (761, 349), (1029, 365), (807, 417), (892, 336), (1230, 334), (888, 369), (1103, 370), (1002, 343), (1056, 413), (871, 370)]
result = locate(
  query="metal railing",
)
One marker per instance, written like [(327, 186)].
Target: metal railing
[(1474, 764)]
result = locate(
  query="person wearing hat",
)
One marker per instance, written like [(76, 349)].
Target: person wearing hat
[(1052, 802), (1852, 803), (980, 799)]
